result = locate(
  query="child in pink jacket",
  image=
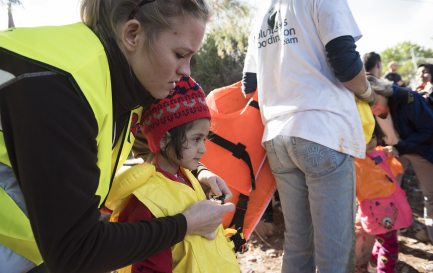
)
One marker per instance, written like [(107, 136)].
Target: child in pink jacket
[(383, 207)]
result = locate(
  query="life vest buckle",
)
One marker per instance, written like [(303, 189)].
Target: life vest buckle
[(239, 241), (220, 198)]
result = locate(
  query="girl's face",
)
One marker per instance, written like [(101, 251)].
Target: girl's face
[(159, 68), (194, 147), (423, 75)]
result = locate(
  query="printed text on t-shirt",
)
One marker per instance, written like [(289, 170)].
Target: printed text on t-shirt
[(270, 36)]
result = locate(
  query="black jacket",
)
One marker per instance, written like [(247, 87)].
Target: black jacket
[(413, 120)]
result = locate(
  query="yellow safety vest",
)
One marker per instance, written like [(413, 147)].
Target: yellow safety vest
[(75, 51), (164, 197)]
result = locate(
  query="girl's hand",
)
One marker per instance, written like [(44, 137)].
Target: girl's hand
[(391, 151), (216, 184)]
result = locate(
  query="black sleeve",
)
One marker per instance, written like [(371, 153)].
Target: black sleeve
[(400, 95), (343, 58), (249, 82), (50, 134), (419, 118)]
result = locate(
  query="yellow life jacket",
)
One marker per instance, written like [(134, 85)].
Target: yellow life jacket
[(165, 197), (234, 152), (367, 118), (74, 51)]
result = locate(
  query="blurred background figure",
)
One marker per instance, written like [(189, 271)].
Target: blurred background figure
[(424, 80), (392, 74)]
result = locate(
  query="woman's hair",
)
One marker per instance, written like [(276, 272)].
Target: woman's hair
[(178, 140), (105, 16), (379, 134)]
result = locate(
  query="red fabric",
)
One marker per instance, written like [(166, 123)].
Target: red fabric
[(136, 211), (187, 103), (159, 263), (179, 177)]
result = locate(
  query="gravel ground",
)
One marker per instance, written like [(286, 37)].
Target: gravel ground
[(416, 255)]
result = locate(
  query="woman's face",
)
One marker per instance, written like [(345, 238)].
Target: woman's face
[(159, 68), (380, 108), (423, 75)]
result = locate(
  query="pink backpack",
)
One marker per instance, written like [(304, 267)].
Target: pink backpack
[(381, 215)]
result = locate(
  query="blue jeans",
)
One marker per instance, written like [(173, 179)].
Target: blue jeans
[(316, 185)]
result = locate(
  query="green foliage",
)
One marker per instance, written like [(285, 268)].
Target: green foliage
[(12, 2), (401, 54), (219, 62)]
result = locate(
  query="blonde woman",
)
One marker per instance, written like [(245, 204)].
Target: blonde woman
[(70, 98)]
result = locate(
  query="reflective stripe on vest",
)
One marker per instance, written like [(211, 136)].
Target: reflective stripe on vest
[(75, 52), (164, 197), (238, 120)]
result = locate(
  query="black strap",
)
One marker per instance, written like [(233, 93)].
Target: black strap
[(239, 241), (241, 209), (254, 104), (238, 151)]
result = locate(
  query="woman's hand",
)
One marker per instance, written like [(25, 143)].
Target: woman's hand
[(205, 216), (216, 184), (391, 151)]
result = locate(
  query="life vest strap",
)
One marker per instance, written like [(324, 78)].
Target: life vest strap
[(238, 150), (254, 103), (239, 242), (241, 209)]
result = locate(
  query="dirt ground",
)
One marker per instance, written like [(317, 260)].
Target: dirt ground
[(265, 251)]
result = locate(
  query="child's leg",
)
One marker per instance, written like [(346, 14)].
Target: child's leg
[(388, 252), (375, 252), (364, 243)]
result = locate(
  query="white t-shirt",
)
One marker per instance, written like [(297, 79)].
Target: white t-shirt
[(299, 94)]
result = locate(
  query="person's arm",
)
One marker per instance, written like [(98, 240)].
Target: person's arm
[(348, 67), (338, 32), (360, 86), (215, 184), (51, 137), (249, 82), (249, 75)]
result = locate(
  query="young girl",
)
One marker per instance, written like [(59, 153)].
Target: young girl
[(176, 128), (383, 207)]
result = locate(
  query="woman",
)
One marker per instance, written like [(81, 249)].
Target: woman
[(424, 77), (70, 101)]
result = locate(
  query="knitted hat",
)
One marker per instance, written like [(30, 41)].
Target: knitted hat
[(187, 103)]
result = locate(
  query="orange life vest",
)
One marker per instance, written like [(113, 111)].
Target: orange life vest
[(373, 182), (235, 153)]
